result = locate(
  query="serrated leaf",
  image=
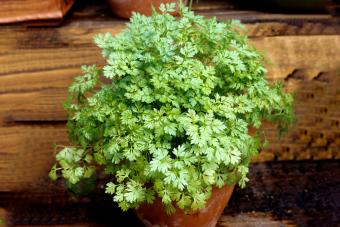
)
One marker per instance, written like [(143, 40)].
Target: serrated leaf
[(110, 188)]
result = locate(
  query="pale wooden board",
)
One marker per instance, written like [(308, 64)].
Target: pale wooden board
[(313, 54)]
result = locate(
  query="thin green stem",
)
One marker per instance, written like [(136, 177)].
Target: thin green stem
[(190, 4)]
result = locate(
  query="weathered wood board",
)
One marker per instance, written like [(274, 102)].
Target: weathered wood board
[(27, 154)]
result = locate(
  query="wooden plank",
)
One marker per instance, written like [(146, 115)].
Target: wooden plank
[(252, 219), (253, 13), (37, 66), (248, 16), (46, 59), (66, 225), (271, 197), (44, 83), (258, 23), (27, 155), (294, 28), (40, 105), (270, 23), (304, 192), (312, 54)]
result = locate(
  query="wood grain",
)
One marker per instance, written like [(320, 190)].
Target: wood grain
[(252, 219), (285, 28), (26, 154)]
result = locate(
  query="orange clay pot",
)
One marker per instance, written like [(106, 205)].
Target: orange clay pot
[(124, 8), (154, 215)]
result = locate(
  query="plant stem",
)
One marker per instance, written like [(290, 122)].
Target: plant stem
[(190, 4)]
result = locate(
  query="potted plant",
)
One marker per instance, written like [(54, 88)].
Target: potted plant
[(169, 126), (124, 8)]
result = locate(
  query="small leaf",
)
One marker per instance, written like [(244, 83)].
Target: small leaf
[(79, 171), (53, 173), (110, 188)]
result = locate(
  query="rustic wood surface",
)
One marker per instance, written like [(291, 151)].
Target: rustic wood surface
[(253, 219), (38, 63)]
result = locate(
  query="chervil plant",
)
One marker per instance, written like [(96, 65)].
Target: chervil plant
[(173, 120)]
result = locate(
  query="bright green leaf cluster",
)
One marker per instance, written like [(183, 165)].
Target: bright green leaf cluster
[(73, 164), (173, 121)]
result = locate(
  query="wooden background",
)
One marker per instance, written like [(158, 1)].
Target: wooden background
[(38, 63)]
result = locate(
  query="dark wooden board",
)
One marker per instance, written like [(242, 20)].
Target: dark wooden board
[(291, 193), (259, 23)]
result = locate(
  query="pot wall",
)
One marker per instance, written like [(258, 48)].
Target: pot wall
[(124, 8), (154, 215)]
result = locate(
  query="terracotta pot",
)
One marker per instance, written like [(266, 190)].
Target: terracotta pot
[(154, 215), (124, 8)]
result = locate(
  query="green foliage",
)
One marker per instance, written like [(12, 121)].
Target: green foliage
[(173, 121)]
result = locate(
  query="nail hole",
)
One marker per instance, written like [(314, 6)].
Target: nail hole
[(296, 74), (321, 77)]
